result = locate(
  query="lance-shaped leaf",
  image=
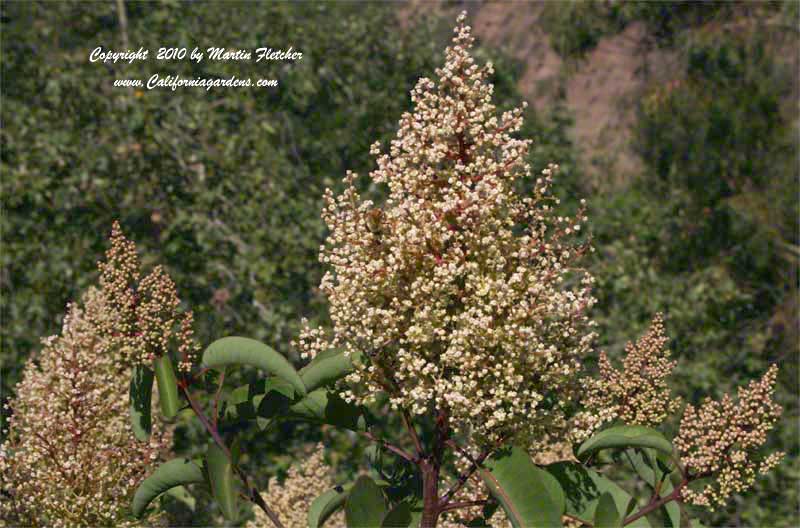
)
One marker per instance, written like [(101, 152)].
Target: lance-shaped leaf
[(167, 387), (643, 462), (625, 436), (606, 515), (326, 407), (583, 488), (265, 398), (530, 496), (176, 472), (141, 392), (327, 367), (180, 494), (672, 511), (220, 472), (325, 505), (399, 517), (245, 351), (416, 513), (365, 506), (330, 502), (656, 473)]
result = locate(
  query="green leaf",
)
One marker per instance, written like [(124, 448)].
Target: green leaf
[(672, 511), (622, 437), (399, 517), (583, 488), (365, 505), (327, 367), (651, 470), (374, 455), (530, 496), (643, 461), (236, 450), (664, 463), (416, 515), (167, 387), (630, 507), (325, 505), (238, 405), (265, 398), (606, 514), (245, 351), (141, 392), (180, 494), (220, 471), (176, 472), (326, 407)]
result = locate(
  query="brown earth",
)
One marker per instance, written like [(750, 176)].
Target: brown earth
[(601, 90)]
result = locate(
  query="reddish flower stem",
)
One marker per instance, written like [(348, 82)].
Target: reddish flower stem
[(413, 433), (464, 477), (402, 453), (654, 505), (463, 504), (254, 496)]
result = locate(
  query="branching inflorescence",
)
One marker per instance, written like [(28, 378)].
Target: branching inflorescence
[(458, 294), (71, 458), (462, 300), (144, 319), (721, 440), (637, 394)]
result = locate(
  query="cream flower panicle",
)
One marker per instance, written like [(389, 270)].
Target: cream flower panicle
[(458, 293), (71, 458), (721, 440), (638, 394), (145, 319)]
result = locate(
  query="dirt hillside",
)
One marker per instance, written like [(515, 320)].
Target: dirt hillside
[(600, 91)]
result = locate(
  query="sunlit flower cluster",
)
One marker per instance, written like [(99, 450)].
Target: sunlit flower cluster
[(144, 319), (721, 440), (71, 458), (637, 394), (292, 498), (459, 293)]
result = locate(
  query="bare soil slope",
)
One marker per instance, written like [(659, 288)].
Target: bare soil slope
[(601, 90)]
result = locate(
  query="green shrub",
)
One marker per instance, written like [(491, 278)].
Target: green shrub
[(577, 26)]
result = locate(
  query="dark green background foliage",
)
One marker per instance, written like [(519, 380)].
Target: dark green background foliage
[(224, 187), (708, 233)]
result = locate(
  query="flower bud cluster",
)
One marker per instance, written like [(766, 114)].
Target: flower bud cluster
[(459, 293), (638, 394), (292, 498), (71, 458), (144, 318), (720, 441)]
